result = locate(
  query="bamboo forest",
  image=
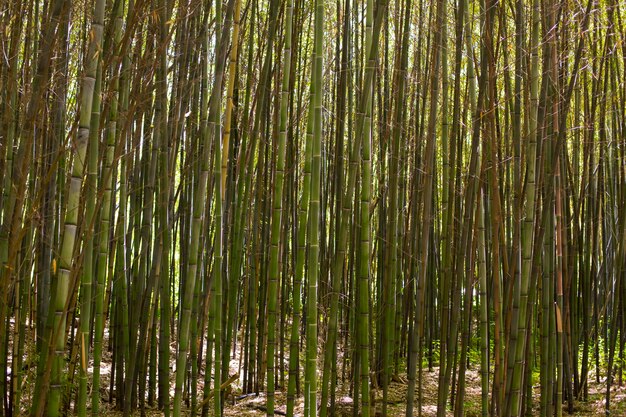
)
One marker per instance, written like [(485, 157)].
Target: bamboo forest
[(312, 208)]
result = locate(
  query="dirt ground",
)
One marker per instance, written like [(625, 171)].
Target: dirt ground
[(253, 405)]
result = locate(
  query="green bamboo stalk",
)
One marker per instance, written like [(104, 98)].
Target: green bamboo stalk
[(528, 221), (200, 195), (314, 217), (218, 233), (277, 199), (71, 215), (484, 313), (234, 278), (87, 276)]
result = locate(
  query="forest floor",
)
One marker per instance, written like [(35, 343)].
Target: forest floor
[(254, 405)]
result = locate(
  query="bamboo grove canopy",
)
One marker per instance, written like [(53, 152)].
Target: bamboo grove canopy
[(308, 199)]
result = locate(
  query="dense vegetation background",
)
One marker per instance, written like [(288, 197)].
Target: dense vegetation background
[(311, 197)]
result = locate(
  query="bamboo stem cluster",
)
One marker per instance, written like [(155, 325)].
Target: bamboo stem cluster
[(205, 200)]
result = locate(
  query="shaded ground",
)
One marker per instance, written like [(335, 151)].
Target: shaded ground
[(253, 405)]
